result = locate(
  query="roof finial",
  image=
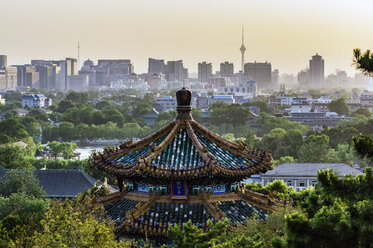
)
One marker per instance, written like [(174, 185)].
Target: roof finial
[(184, 99)]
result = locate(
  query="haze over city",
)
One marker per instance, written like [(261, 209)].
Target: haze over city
[(285, 33)]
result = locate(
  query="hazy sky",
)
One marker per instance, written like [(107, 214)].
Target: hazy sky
[(284, 32)]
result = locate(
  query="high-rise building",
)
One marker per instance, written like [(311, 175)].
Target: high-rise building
[(27, 76), (175, 71), (71, 66), (78, 82), (3, 61), (45, 70), (116, 66), (204, 71), (317, 72), (11, 78), (8, 78), (304, 78), (156, 66), (261, 73), (2, 79), (226, 69), (275, 77)]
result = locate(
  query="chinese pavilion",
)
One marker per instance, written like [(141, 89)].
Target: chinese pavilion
[(182, 172)]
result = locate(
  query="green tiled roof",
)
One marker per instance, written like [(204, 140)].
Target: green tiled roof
[(239, 211), (176, 213), (180, 154)]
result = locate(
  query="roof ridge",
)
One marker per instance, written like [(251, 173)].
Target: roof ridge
[(164, 144)]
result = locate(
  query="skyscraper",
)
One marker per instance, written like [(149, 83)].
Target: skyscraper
[(3, 61), (317, 72), (156, 66), (261, 73), (242, 49), (175, 71), (204, 71), (226, 69)]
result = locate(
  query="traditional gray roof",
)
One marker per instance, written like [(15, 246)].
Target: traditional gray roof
[(61, 183), (310, 169)]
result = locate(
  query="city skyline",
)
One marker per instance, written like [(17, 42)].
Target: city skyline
[(285, 33)]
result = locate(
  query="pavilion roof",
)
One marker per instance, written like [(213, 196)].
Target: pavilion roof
[(183, 149)]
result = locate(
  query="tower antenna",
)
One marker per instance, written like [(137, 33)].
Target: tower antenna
[(242, 49), (78, 55)]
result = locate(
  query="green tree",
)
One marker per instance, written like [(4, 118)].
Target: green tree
[(15, 157), (66, 149), (361, 111), (314, 150), (22, 205), (337, 214), (339, 106), (284, 160), (192, 236), (197, 114), (64, 105), (11, 130), (76, 223), (21, 181), (364, 146), (77, 97), (364, 62), (237, 116)]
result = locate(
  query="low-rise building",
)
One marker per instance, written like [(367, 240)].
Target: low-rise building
[(303, 175), (150, 117), (317, 121), (281, 100), (228, 99), (62, 183), (36, 101), (321, 107), (165, 103), (366, 100), (300, 105)]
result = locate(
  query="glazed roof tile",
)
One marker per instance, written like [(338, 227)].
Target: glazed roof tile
[(183, 149)]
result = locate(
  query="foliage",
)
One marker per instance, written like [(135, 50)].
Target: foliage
[(276, 187), (15, 157), (314, 150), (364, 62), (76, 223), (192, 236), (222, 115), (22, 206), (21, 181), (282, 143), (269, 123), (68, 131), (77, 97), (262, 105), (339, 106), (364, 145), (361, 111), (337, 214), (64, 149), (11, 130), (284, 160)]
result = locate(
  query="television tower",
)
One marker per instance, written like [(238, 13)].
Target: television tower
[(78, 55), (242, 49)]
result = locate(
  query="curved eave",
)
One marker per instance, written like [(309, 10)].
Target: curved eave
[(142, 169), (257, 161)]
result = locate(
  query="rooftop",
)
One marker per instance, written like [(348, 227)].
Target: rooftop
[(61, 183), (310, 169)]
